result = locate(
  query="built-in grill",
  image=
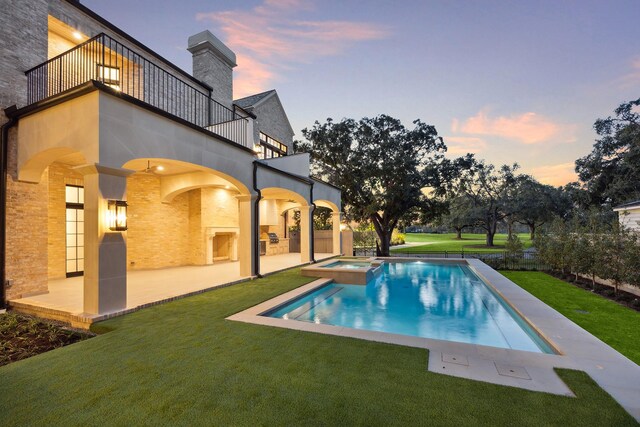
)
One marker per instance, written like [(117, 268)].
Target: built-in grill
[(273, 238)]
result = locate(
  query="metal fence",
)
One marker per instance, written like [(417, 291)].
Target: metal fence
[(497, 260), (109, 62)]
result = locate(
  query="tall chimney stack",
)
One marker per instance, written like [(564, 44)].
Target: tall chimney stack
[(213, 64)]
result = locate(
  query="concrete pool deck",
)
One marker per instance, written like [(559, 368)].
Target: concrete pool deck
[(577, 348)]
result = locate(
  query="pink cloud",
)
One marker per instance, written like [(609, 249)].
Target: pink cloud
[(461, 145), (528, 128), (269, 40), (555, 175)]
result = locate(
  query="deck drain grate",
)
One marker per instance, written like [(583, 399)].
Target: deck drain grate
[(454, 358), (512, 371)]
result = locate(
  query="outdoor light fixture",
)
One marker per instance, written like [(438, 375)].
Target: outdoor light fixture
[(117, 215), (77, 35)]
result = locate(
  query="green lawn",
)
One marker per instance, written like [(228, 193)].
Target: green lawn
[(614, 324), (448, 242), (182, 363)]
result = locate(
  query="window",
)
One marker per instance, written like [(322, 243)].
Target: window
[(270, 148), (74, 230), (109, 76)]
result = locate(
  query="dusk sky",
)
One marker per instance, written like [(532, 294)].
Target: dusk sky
[(511, 81)]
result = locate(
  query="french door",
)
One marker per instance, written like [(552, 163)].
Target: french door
[(75, 230)]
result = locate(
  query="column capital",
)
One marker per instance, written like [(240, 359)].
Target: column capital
[(96, 168)]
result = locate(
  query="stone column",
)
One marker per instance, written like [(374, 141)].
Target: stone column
[(306, 222), (247, 237), (337, 247), (105, 251)]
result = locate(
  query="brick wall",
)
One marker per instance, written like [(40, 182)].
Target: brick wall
[(26, 257), (158, 234), (272, 120)]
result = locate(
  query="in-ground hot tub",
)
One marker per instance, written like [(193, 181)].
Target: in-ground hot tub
[(355, 271)]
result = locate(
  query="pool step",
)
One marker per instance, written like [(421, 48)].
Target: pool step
[(308, 306)]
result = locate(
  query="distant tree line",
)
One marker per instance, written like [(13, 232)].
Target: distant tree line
[(392, 177)]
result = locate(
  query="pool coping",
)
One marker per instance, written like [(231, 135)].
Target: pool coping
[(578, 349)]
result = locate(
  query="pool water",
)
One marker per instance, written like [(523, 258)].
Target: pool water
[(422, 299), (347, 264)]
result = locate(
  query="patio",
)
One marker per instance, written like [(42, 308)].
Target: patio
[(64, 300)]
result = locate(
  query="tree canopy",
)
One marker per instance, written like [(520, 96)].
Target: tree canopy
[(381, 166), (611, 172)]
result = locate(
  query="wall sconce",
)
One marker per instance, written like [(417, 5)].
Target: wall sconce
[(117, 215)]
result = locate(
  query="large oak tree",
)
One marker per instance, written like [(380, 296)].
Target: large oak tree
[(381, 166), (611, 172)]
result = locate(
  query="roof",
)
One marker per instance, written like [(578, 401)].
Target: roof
[(625, 206), (252, 100), (249, 103)]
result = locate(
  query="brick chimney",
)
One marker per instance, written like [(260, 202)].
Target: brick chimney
[(213, 64)]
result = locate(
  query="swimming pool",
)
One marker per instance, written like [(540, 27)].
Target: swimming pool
[(445, 301)]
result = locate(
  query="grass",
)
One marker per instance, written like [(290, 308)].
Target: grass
[(448, 242), (182, 363), (612, 323)]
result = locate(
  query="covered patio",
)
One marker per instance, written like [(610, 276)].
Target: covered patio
[(64, 301)]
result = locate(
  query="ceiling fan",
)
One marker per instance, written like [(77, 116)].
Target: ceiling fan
[(152, 169)]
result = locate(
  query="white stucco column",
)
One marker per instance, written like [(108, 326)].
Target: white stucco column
[(105, 251), (247, 237), (337, 244), (306, 222)]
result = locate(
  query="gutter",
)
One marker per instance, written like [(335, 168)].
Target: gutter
[(312, 237), (4, 152), (256, 222)]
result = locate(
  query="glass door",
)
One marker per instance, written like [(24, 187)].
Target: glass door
[(75, 230)]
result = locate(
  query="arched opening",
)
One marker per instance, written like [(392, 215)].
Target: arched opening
[(327, 235), (182, 214)]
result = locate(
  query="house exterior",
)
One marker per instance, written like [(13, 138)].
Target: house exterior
[(115, 160), (629, 214)]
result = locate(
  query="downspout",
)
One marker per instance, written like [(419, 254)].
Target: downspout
[(4, 151), (256, 222), (313, 209)]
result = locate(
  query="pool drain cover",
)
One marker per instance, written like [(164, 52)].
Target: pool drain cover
[(454, 358), (512, 371)]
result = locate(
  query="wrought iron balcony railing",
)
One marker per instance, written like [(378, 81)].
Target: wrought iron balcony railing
[(108, 61)]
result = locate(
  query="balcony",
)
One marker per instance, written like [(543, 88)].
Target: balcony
[(107, 61)]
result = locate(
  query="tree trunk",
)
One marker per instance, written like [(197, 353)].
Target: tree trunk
[(489, 240), (509, 229), (593, 281), (532, 231), (385, 243), (383, 230), (459, 233)]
